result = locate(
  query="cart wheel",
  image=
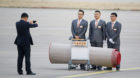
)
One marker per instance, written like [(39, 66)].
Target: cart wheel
[(69, 67), (87, 68), (76, 66)]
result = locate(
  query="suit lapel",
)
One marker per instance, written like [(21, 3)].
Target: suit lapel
[(99, 23), (115, 24), (94, 24), (76, 23), (81, 22), (110, 25)]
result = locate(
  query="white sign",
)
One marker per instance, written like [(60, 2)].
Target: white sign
[(79, 53)]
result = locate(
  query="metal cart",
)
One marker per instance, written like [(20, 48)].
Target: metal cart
[(79, 52)]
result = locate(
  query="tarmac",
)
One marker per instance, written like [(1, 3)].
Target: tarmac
[(55, 26)]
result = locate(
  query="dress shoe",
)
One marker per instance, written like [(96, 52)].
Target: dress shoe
[(20, 73), (118, 67), (108, 68), (82, 68), (99, 67), (93, 67), (31, 73)]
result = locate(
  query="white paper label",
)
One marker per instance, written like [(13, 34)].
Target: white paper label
[(79, 53)]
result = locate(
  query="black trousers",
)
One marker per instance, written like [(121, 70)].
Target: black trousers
[(96, 44), (114, 46), (23, 51)]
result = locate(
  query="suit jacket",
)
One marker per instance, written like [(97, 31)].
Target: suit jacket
[(79, 30), (97, 34), (113, 33), (23, 33)]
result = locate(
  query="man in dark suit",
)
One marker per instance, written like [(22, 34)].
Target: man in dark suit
[(97, 33), (23, 42), (113, 30), (79, 29)]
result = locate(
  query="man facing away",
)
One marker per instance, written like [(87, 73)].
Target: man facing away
[(97, 33), (79, 29), (113, 30), (23, 42)]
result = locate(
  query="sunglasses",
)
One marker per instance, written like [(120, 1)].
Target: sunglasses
[(80, 14)]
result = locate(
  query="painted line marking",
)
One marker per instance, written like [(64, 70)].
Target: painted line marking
[(99, 72)]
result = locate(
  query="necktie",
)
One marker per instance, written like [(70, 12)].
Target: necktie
[(96, 23), (78, 24), (112, 25)]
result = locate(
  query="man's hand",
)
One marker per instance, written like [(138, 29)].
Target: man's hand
[(77, 37), (111, 41), (31, 22), (36, 22)]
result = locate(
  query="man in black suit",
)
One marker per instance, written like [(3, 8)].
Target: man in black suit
[(113, 30), (79, 29), (97, 33), (79, 26), (23, 42)]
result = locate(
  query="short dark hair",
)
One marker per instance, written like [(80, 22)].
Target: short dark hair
[(80, 10), (23, 15), (97, 11), (114, 13)]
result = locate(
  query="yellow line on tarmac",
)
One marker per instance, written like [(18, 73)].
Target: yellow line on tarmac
[(99, 72), (136, 68)]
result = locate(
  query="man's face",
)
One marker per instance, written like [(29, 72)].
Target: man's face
[(113, 17), (26, 19), (80, 15), (97, 15)]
